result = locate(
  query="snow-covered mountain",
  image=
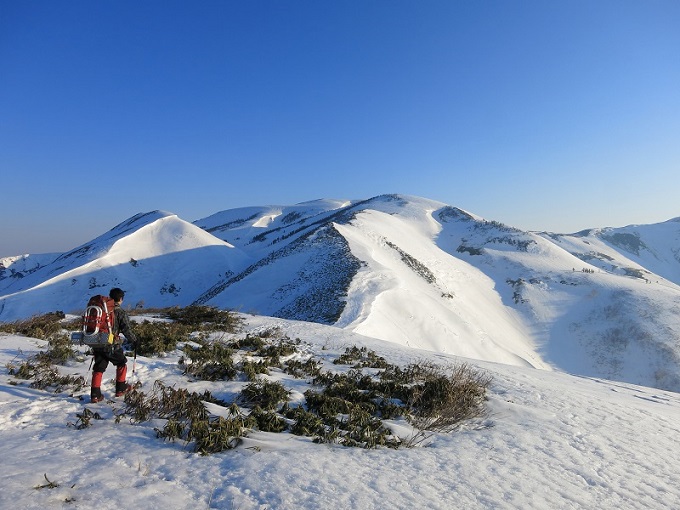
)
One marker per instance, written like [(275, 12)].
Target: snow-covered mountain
[(405, 269)]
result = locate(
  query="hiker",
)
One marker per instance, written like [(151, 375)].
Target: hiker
[(113, 353)]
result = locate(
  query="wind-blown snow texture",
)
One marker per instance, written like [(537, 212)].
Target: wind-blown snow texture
[(601, 303), (550, 441)]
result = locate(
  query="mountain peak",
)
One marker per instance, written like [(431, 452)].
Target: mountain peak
[(399, 268)]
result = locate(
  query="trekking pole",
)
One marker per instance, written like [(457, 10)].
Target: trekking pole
[(134, 359)]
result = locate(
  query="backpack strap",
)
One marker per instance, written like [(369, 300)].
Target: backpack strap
[(112, 335)]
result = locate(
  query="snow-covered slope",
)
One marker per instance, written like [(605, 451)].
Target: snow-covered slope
[(20, 266), (408, 270), (550, 441), (584, 318), (155, 257), (649, 252), (412, 292)]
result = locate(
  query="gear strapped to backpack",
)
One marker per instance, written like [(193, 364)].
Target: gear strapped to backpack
[(98, 321)]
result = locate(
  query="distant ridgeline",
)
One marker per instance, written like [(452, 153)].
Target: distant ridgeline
[(405, 269)]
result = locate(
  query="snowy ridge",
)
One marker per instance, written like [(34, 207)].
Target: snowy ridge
[(404, 269), (550, 440), (156, 249)]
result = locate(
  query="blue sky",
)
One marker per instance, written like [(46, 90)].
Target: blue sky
[(542, 115)]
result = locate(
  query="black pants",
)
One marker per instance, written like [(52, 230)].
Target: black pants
[(113, 354)]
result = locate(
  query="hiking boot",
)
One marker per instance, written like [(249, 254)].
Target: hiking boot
[(122, 389), (95, 390)]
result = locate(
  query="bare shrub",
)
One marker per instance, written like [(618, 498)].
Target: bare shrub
[(346, 408), (360, 357), (268, 421), (50, 327), (187, 418), (59, 350), (39, 326), (205, 317), (46, 376), (265, 394), (160, 337), (211, 362), (251, 369), (443, 400)]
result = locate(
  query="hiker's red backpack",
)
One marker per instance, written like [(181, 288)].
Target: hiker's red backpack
[(98, 321)]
